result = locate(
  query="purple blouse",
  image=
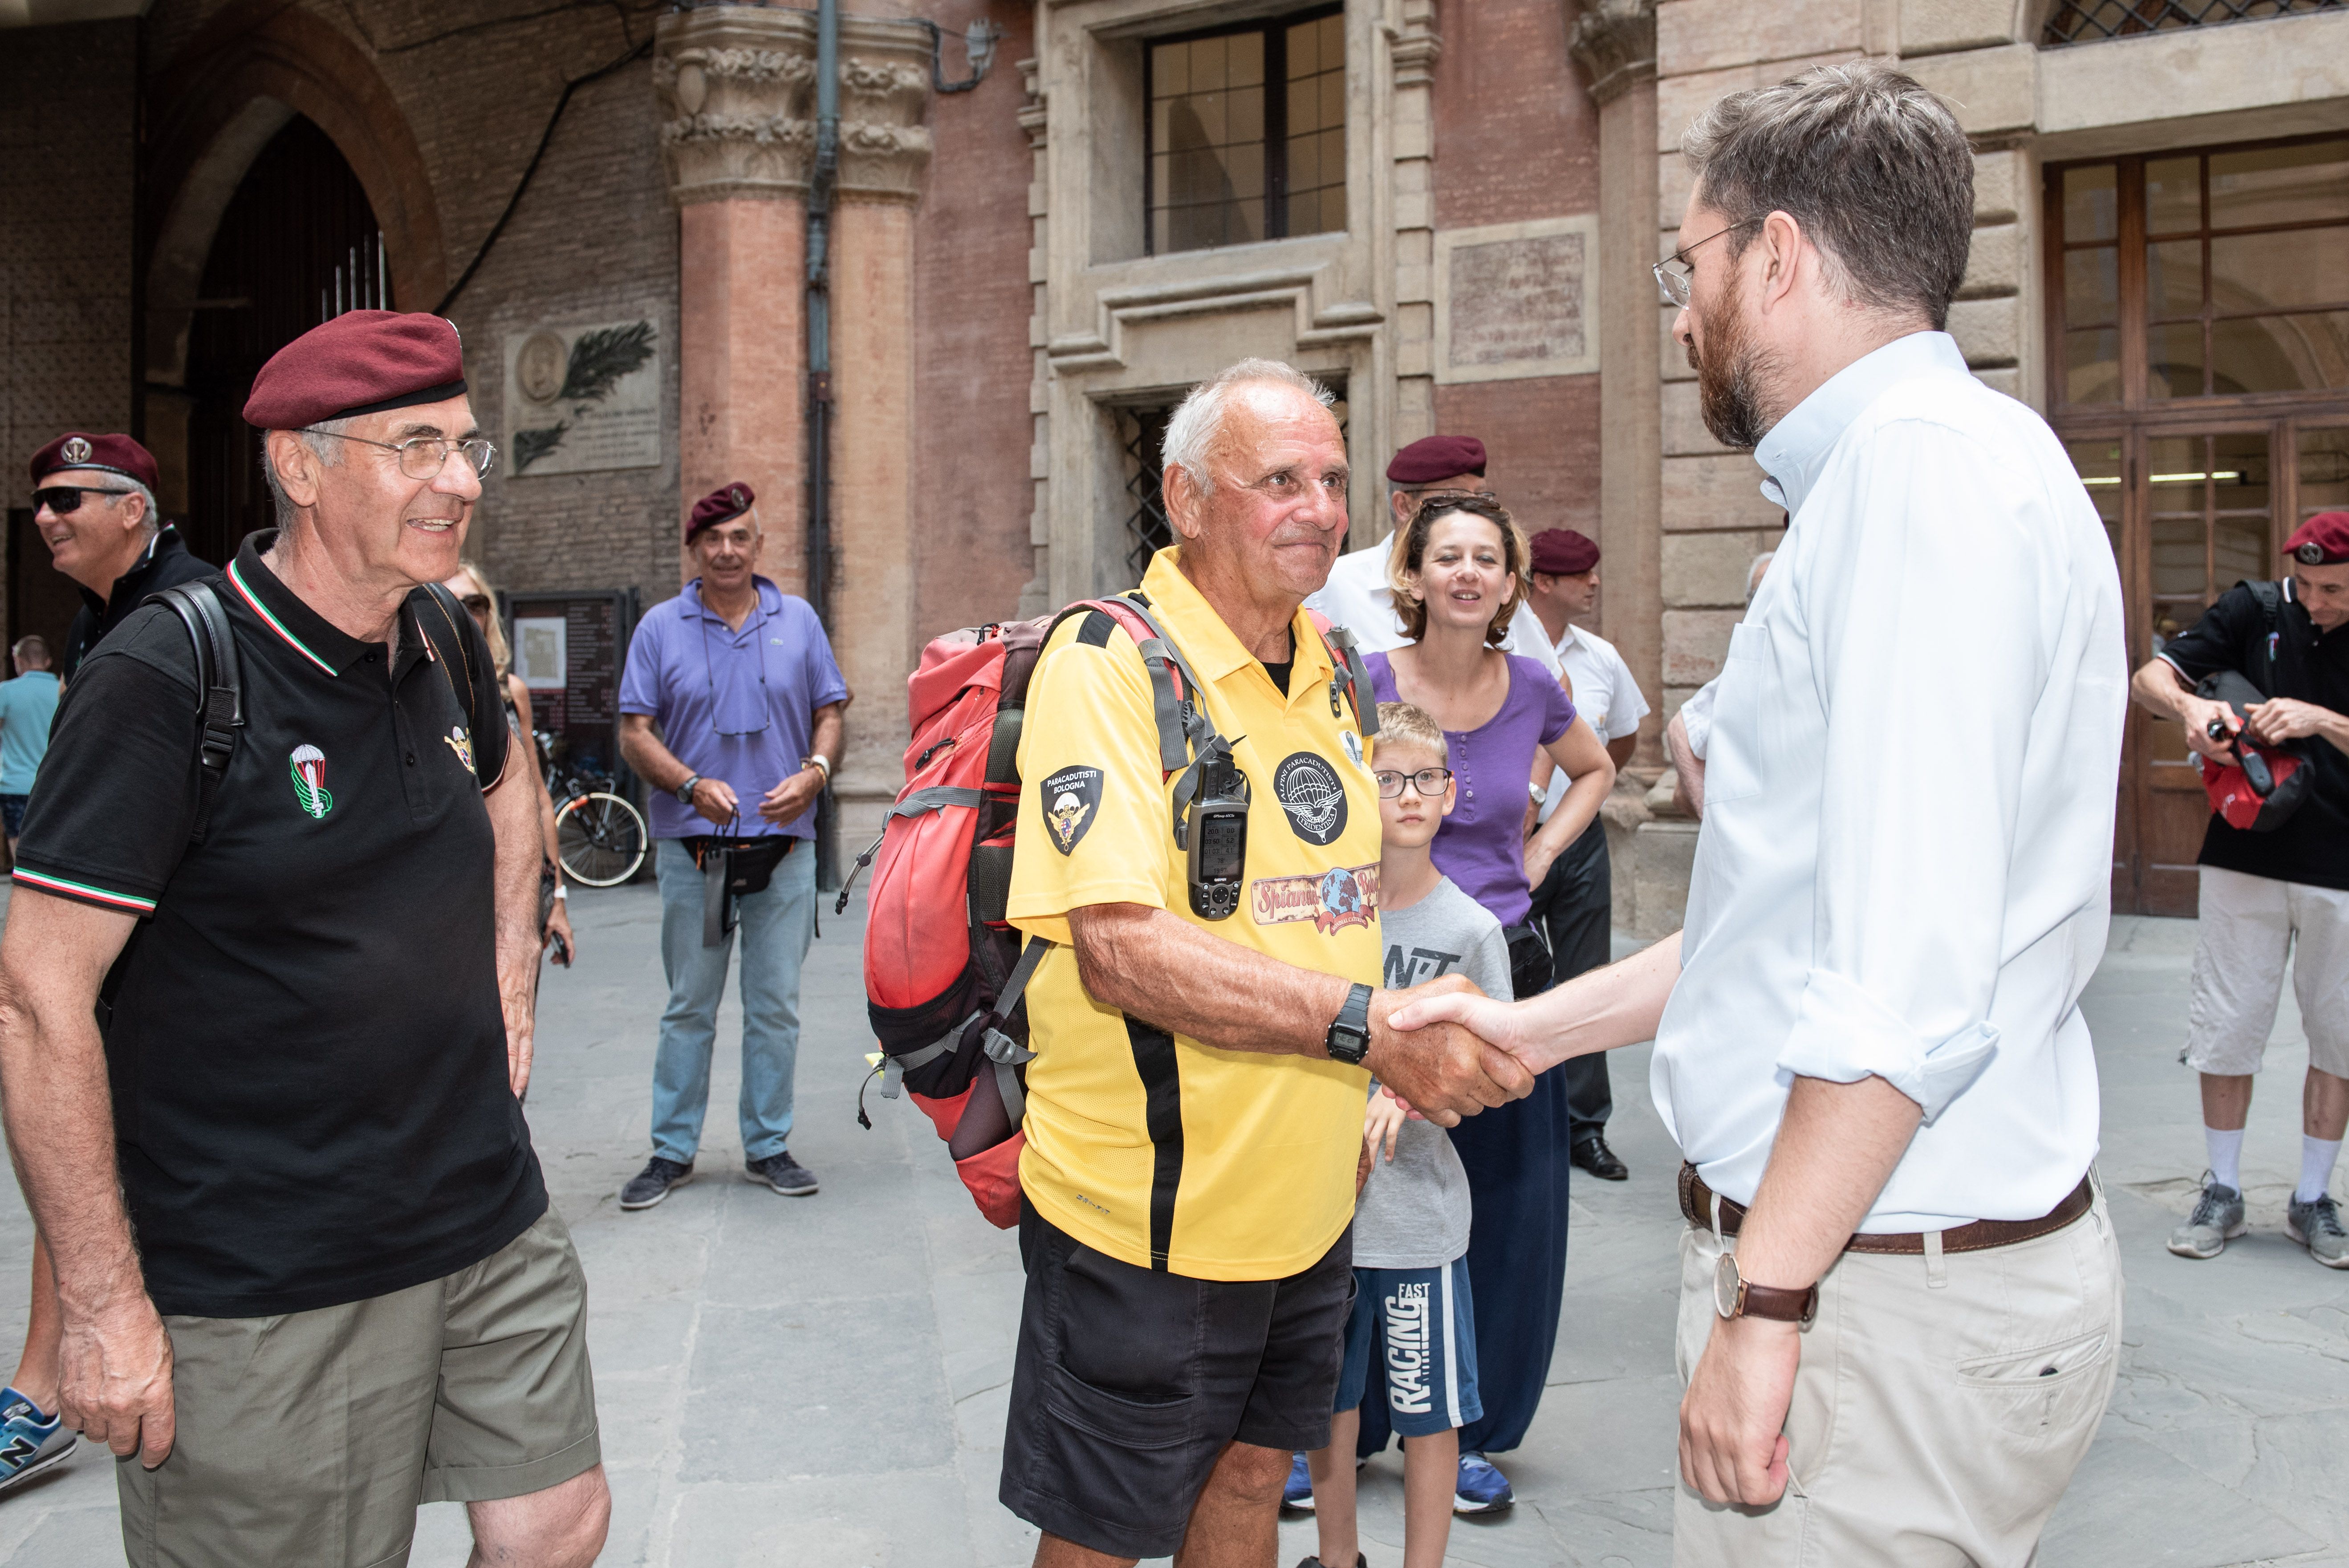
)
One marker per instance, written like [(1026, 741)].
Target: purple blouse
[(1482, 845)]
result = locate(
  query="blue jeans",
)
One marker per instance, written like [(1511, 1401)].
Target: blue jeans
[(777, 924)]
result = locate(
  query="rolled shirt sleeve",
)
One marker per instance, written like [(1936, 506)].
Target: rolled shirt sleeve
[(1919, 802)]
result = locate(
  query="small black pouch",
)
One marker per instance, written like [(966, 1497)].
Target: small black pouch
[(730, 869), (1529, 962)]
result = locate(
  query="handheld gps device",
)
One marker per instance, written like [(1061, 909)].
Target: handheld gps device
[(1218, 863)]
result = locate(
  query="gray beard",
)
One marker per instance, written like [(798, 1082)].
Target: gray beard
[(1729, 395)]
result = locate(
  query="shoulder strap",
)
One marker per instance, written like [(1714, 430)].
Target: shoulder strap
[(470, 698), (2271, 597), (1351, 675), (219, 683)]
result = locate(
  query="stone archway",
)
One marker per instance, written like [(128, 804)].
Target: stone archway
[(231, 89)]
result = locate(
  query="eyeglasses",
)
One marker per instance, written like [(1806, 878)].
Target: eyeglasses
[(1674, 274), (63, 499), (423, 457), (1427, 783), (479, 603)]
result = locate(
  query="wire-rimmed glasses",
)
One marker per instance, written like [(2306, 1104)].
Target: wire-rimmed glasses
[(1675, 273), (423, 457)]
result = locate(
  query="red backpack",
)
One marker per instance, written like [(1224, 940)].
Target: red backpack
[(944, 969)]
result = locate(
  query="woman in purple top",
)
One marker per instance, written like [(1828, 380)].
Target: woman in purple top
[(1462, 574)]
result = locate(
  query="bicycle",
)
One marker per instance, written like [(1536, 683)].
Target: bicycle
[(602, 839)]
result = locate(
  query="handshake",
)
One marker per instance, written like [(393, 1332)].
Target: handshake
[(1447, 1050)]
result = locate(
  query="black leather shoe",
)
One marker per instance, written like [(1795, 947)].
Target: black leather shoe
[(1593, 1155)]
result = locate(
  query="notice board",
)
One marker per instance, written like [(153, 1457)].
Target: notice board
[(570, 647)]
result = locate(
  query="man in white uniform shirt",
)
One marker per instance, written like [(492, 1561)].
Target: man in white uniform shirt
[(1359, 595), (1575, 904), (1867, 1037)]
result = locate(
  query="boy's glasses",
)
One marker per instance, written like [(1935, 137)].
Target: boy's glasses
[(1427, 783)]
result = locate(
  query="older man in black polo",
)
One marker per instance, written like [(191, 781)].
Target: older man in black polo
[(94, 504), (261, 1043)]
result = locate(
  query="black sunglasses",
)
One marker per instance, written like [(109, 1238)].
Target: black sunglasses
[(63, 499), (479, 603)]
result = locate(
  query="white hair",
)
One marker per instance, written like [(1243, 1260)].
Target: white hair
[(1754, 572), (1191, 434), (318, 438)]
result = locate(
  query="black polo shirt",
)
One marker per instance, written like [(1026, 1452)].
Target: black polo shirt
[(305, 1045), (166, 565), (2312, 845)]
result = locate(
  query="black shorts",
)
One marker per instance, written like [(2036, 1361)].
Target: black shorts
[(1130, 1382)]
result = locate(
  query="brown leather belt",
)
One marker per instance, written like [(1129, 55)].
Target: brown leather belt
[(1696, 1206)]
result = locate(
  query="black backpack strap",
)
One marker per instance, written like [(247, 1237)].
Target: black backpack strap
[(2271, 598), (219, 683), (470, 698)]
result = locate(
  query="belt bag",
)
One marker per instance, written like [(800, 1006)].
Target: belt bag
[(1529, 962), (730, 869)]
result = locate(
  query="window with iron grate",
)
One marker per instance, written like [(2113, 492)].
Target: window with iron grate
[(2093, 21)]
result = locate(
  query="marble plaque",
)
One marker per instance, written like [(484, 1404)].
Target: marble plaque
[(583, 399), (1516, 300)]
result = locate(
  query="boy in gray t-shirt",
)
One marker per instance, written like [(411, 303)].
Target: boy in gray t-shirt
[(1411, 1304)]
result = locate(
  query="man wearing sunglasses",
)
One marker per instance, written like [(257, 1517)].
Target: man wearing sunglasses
[(730, 710), (308, 1273), (94, 504)]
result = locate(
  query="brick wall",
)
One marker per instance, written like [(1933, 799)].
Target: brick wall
[(972, 294), (1516, 138), (66, 178), (594, 239)]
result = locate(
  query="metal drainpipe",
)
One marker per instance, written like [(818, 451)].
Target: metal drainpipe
[(821, 181)]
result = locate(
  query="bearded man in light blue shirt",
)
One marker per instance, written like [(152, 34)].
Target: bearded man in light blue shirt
[(1868, 1038)]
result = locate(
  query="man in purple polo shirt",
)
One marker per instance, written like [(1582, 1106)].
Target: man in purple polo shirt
[(738, 677)]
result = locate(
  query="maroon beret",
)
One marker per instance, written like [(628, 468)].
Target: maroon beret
[(1562, 553), (2321, 540), (107, 454), (1434, 458), (362, 362), (720, 505)]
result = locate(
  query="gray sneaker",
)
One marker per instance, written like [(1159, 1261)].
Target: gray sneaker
[(783, 1173), (656, 1181), (2316, 1225), (2217, 1219)]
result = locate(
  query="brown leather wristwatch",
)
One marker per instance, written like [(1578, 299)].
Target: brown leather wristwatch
[(1734, 1296)]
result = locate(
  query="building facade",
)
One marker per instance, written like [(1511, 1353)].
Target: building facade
[(1046, 218)]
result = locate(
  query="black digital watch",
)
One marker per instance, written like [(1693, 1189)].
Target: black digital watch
[(1349, 1040)]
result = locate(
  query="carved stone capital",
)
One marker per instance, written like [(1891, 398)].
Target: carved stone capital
[(1033, 117), (1415, 46), (737, 85), (1615, 40), (884, 90)]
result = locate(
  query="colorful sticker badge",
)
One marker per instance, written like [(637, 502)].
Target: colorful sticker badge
[(1332, 899), (462, 744), (307, 764)]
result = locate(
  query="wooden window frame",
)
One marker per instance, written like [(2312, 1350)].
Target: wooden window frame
[(2129, 321), (1274, 31)]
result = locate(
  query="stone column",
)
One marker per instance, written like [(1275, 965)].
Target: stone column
[(885, 84), (735, 85), (1615, 41)]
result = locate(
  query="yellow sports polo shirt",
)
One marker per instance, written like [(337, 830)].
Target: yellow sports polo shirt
[(1147, 1145)]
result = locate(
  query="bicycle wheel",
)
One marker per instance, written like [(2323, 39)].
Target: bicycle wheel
[(602, 837)]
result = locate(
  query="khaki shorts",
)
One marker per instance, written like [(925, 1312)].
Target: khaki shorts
[(2250, 927), (311, 1438)]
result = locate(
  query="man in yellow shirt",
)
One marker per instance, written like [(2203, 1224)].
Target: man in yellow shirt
[(1194, 1107)]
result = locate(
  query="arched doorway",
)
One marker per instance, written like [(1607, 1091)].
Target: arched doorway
[(297, 245)]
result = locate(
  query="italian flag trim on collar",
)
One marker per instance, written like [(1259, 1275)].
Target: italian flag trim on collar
[(84, 889), (274, 624)]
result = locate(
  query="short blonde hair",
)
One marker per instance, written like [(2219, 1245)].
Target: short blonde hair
[(1405, 724), (1411, 553)]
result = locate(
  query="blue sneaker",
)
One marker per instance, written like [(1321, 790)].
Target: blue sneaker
[(1298, 1491), (1481, 1488), (30, 1442)]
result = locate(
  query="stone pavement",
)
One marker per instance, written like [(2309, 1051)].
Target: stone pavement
[(822, 1381)]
